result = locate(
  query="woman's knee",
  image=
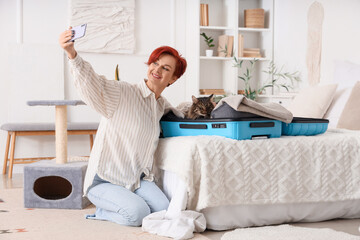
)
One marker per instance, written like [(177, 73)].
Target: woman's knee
[(161, 203), (135, 212), (120, 205), (153, 196)]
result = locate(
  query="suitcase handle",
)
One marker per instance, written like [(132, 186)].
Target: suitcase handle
[(262, 124), (193, 126), (259, 137)]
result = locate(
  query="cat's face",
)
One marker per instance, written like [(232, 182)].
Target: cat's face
[(161, 72), (203, 106)]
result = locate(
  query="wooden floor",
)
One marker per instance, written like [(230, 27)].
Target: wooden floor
[(348, 226), (16, 181)]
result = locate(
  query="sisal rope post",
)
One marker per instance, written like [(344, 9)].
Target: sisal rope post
[(61, 134)]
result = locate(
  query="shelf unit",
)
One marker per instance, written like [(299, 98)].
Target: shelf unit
[(281, 98), (226, 17)]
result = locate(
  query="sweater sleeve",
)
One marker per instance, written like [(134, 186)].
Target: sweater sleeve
[(96, 91)]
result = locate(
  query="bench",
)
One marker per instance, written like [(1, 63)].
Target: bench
[(39, 129)]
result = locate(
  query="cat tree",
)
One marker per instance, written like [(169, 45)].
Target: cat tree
[(56, 183)]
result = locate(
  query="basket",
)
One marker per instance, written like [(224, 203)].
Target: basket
[(254, 18)]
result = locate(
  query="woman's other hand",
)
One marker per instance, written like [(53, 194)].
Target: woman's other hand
[(66, 44)]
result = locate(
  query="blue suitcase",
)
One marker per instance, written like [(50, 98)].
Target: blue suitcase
[(238, 128), (298, 126), (305, 126)]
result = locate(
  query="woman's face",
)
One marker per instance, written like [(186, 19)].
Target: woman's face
[(161, 72)]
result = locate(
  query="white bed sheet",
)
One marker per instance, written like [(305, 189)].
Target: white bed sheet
[(234, 216)]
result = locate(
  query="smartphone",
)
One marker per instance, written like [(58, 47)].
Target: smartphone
[(79, 31)]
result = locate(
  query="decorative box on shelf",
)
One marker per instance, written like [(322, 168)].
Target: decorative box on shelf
[(254, 18)]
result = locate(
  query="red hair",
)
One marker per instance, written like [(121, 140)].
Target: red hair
[(180, 61)]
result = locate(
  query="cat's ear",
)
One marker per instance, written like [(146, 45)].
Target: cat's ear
[(194, 99), (211, 97)]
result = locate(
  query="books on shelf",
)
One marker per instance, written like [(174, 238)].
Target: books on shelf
[(241, 45), (225, 46), (204, 15), (212, 91), (252, 52)]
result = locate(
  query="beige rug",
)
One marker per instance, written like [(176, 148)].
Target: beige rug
[(17, 222), (287, 232)]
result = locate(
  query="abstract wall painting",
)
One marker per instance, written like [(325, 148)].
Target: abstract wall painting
[(110, 25)]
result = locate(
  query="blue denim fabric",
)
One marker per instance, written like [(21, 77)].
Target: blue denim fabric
[(117, 204)]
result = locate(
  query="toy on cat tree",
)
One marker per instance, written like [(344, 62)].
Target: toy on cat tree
[(117, 73)]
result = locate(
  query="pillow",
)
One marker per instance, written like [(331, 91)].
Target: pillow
[(350, 116), (337, 105), (346, 75), (312, 102)]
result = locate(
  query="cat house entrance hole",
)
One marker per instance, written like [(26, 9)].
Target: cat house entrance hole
[(52, 187)]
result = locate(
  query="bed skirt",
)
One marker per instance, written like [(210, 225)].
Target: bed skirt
[(234, 216)]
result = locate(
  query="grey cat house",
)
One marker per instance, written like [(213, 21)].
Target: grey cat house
[(51, 185)]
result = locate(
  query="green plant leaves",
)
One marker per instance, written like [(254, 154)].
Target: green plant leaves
[(208, 40), (277, 78)]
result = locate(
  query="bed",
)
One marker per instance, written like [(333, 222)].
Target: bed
[(271, 181), (265, 181)]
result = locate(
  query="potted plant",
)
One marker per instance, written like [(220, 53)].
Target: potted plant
[(246, 77), (209, 42), (279, 79)]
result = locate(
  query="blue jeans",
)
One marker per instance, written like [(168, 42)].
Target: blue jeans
[(117, 204)]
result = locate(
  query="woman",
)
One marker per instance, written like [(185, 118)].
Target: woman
[(119, 178)]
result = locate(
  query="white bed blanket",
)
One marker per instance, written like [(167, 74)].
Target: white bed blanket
[(220, 171)]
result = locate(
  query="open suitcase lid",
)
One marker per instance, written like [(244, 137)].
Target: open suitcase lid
[(309, 120)]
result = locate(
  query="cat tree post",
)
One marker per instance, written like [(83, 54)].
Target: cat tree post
[(61, 133)]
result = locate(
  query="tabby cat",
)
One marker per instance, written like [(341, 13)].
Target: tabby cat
[(201, 107)]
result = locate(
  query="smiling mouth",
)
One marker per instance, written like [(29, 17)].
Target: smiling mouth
[(155, 76)]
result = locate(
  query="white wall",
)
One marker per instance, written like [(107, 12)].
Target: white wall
[(340, 35), (36, 70)]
